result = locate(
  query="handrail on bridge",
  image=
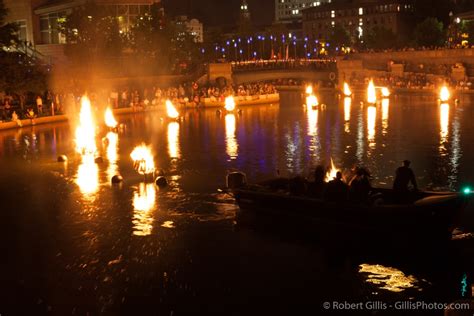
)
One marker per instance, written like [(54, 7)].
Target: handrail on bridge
[(284, 64)]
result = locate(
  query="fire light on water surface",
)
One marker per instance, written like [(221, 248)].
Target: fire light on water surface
[(231, 139), (444, 122), (388, 278), (371, 93), (347, 90), (173, 140), (444, 94), (371, 120), (331, 173), (112, 153), (85, 132), (230, 103), (171, 110), (88, 176), (144, 201), (110, 119), (143, 160)]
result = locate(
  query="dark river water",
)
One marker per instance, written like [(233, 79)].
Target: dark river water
[(73, 244)]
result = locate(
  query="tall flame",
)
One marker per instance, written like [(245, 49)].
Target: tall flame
[(85, 132), (385, 92), (371, 94), (444, 94), (331, 173), (230, 103), (171, 110), (347, 90), (309, 89), (312, 101), (110, 119), (143, 160)]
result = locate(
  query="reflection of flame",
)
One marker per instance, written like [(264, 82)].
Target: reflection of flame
[(371, 94), (371, 116), (347, 90), (309, 90), (171, 110), (385, 92), (110, 119), (143, 159), (387, 278), (144, 201), (173, 140), (88, 176), (312, 101), (312, 122), (444, 121), (231, 140), (331, 173), (230, 103), (112, 154), (85, 132), (444, 94), (385, 109), (347, 109)]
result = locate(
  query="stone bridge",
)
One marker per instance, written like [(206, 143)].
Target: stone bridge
[(256, 71)]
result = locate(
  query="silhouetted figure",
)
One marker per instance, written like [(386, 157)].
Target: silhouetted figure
[(297, 186), (336, 190), (318, 187), (403, 177), (359, 186)]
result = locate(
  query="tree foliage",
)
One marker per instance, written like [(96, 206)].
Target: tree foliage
[(8, 31), (429, 33), (339, 37), (380, 37)]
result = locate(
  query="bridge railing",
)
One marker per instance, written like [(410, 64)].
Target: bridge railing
[(286, 64)]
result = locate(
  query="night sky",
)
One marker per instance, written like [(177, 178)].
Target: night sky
[(221, 12)]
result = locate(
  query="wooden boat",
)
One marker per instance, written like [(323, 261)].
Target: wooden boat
[(244, 100), (429, 218)]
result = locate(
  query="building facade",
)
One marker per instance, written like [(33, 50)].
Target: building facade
[(290, 11), (39, 21), (358, 17)]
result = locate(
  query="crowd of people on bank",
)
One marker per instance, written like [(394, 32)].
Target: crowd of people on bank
[(29, 106), (287, 64)]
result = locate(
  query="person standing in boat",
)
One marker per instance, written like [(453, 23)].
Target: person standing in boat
[(318, 187), (404, 175), (337, 189), (359, 186)]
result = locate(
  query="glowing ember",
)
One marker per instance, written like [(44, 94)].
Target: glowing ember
[(331, 173), (347, 90), (309, 90), (385, 92), (230, 103), (371, 94), (110, 119), (444, 94), (143, 160), (85, 132), (312, 101), (171, 110)]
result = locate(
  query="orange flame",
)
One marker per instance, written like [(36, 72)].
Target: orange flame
[(309, 90), (371, 94), (85, 132), (171, 110), (331, 173), (347, 90), (230, 103), (143, 160), (312, 101), (444, 94), (110, 119), (385, 92)]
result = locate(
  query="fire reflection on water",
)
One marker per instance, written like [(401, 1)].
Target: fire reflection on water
[(385, 113), (387, 278), (144, 202), (173, 140), (88, 177), (444, 127), (371, 118), (112, 154), (231, 140), (347, 114)]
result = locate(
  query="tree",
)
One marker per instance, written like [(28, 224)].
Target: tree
[(380, 37), (19, 72), (429, 33), (438, 9), (339, 37)]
